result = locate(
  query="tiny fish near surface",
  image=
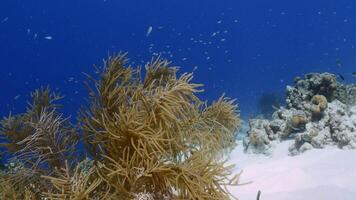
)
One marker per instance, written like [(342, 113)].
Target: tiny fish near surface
[(149, 30), (4, 20), (17, 97)]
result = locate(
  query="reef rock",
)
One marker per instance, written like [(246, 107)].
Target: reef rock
[(313, 84), (319, 112), (259, 137), (264, 133), (346, 94), (337, 127)]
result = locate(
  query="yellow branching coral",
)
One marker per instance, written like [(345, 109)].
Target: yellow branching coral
[(40, 140), (50, 142), (16, 128), (77, 184), (153, 134), (7, 191), (148, 135), (20, 183)]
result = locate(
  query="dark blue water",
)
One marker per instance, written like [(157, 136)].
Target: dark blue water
[(241, 48)]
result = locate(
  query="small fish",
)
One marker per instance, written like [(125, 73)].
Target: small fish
[(4, 20), (353, 74), (48, 37), (341, 76), (275, 107), (149, 30), (17, 97), (296, 129)]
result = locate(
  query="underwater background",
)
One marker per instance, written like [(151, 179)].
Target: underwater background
[(147, 134), (242, 48)]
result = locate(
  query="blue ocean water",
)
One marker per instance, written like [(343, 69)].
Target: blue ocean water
[(241, 48)]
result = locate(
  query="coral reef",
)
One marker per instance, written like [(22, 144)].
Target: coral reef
[(147, 133), (318, 114)]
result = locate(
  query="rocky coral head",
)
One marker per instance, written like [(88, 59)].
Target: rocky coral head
[(324, 84), (313, 84), (298, 121), (318, 105)]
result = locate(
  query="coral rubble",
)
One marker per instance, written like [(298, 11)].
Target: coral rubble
[(148, 136), (319, 111)]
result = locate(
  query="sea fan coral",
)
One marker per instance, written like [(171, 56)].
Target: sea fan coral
[(147, 133)]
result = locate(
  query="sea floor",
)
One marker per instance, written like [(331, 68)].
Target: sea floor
[(318, 174)]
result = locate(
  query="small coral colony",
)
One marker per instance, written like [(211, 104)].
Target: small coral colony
[(146, 136)]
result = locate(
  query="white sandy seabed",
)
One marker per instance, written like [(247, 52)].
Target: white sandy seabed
[(318, 174)]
